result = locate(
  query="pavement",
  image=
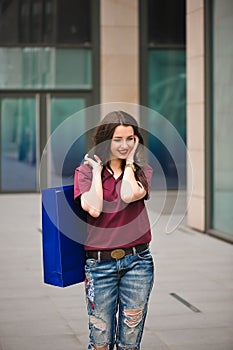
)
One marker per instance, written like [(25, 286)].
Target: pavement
[(191, 306)]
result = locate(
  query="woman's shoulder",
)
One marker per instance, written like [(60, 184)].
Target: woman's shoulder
[(83, 168)]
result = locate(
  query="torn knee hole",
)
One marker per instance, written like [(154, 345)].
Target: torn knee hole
[(98, 323), (133, 316), (104, 347)]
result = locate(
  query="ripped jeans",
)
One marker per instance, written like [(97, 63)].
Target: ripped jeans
[(117, 294)]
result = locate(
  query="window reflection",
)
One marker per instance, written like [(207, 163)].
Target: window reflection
[(43, 68), (60, 110), (45, 22), (166, 22), (73, 21), (18, 143)]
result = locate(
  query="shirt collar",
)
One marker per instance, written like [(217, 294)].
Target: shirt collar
[(107, 174)]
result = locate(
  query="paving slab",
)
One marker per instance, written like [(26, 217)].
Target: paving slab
[(45, 342), (198, 337)]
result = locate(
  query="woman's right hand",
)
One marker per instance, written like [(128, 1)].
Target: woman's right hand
[(95, 163), (92, 200)]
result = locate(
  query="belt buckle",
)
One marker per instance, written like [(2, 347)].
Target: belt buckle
[(117, 253)]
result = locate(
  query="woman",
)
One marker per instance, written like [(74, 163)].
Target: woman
[(112, 185)]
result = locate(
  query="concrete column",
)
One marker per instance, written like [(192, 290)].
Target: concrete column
[(196, 112), (119, 51)]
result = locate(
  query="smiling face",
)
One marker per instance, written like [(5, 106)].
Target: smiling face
[(122, 142)]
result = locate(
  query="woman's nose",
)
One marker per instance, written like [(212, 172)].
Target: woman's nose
[(124, 144)]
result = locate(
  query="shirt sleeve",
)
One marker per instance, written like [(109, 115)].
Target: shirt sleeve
[(82, 180)]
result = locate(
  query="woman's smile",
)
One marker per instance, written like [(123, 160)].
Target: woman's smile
[(123, 152)]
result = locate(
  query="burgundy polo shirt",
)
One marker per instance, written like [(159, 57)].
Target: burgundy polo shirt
[(120, 225)]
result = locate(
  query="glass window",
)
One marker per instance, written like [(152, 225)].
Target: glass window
[(49, 22), (24, 13), (45, 68), (167, 95), (166, 22), (222, 116), (166, 80), (36, 21), (73, 21), (9, 22), (45, 22), (60, 110), (167, 86), (18, 144)]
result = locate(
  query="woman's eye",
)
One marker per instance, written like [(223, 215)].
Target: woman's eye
[(127, 140)]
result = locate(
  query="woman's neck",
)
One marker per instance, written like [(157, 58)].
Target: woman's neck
[(115, 165)]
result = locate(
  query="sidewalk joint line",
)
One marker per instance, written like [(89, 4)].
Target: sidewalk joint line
[(185, 302)]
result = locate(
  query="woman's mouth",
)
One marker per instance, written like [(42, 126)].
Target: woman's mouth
[(123, 153)]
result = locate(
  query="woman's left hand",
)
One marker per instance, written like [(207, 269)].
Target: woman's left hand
[(130, 157)]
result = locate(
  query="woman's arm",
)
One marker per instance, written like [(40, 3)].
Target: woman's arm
[(131, 189), (92, 201)]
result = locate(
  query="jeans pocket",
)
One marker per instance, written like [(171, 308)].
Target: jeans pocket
[(90, 263), (145, 255)]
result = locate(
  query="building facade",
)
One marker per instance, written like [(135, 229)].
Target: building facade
[(175, 57), (209, 114)]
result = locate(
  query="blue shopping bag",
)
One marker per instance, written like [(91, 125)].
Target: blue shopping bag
[(63, 232)]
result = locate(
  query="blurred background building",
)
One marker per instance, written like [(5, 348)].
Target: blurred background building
[(175, 56)]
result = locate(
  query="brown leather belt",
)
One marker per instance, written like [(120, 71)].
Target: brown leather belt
[(115, 254)]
